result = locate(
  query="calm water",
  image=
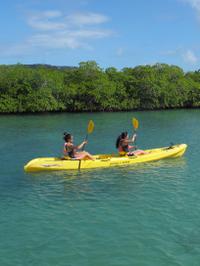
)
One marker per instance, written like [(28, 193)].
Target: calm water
[(137, 215)]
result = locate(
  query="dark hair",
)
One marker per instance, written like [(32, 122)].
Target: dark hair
[(67, 136), (123, 135)]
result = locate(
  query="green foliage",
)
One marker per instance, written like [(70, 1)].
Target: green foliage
[(90, 88)]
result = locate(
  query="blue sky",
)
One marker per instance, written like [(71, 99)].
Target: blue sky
[(112, 32)]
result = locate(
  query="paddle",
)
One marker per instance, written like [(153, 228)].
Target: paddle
[(135, 123), (90, 129)]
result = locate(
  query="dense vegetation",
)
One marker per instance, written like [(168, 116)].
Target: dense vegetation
[(90, 88)]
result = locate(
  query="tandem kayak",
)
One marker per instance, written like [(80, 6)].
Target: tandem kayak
[(104, 160)]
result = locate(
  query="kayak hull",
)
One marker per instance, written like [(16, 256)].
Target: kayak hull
[(104, 160)]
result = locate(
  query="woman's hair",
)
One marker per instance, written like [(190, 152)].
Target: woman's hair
[(67, 136), (123, 135)]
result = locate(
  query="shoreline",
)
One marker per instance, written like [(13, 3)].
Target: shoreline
[(89, 112)]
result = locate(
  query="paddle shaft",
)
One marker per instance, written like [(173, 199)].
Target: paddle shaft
[(86, 138), (135, 141), (135, 123), (82, 149), (89, 131)]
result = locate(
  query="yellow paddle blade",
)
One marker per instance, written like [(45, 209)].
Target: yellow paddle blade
[(135, 123), (90, 127)]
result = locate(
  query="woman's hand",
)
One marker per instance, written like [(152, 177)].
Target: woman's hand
[(134, 137), (85, 142), (82, 144)]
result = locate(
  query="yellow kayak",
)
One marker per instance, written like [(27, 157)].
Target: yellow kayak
[(104, 160)]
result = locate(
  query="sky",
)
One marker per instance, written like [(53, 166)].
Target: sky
[(117, 33)]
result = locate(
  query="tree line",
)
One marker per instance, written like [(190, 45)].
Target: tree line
[(24, 88)]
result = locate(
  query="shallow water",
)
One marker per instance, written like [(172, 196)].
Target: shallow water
[(144, 214)]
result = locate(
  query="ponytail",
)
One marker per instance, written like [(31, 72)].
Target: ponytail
[(118, 141)]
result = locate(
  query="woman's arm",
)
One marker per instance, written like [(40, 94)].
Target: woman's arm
[(133, 138), (81, 145), (127, 141)]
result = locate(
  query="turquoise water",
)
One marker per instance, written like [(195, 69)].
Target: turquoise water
[(136, 215)]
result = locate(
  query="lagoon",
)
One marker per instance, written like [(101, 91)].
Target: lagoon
[(130, 215)]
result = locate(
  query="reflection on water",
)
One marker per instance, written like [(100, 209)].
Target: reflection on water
[(87, 184)]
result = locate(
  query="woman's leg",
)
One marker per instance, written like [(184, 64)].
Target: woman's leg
[(88, 155), (139, 152), (83, 155)]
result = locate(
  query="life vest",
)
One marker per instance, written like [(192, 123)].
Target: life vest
[(123, 147)]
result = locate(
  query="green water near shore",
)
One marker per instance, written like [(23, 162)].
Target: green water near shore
[(135, 215)]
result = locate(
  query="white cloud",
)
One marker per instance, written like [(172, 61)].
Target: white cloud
[(82, 19), (72, 31), (54, 41), (195, 4), (190, 57), (55, 30), (66, 39), (96, 34), (42, 20), (47, 20)]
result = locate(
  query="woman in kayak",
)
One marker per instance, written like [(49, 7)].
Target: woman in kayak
[(72, 151), (122, 144)]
